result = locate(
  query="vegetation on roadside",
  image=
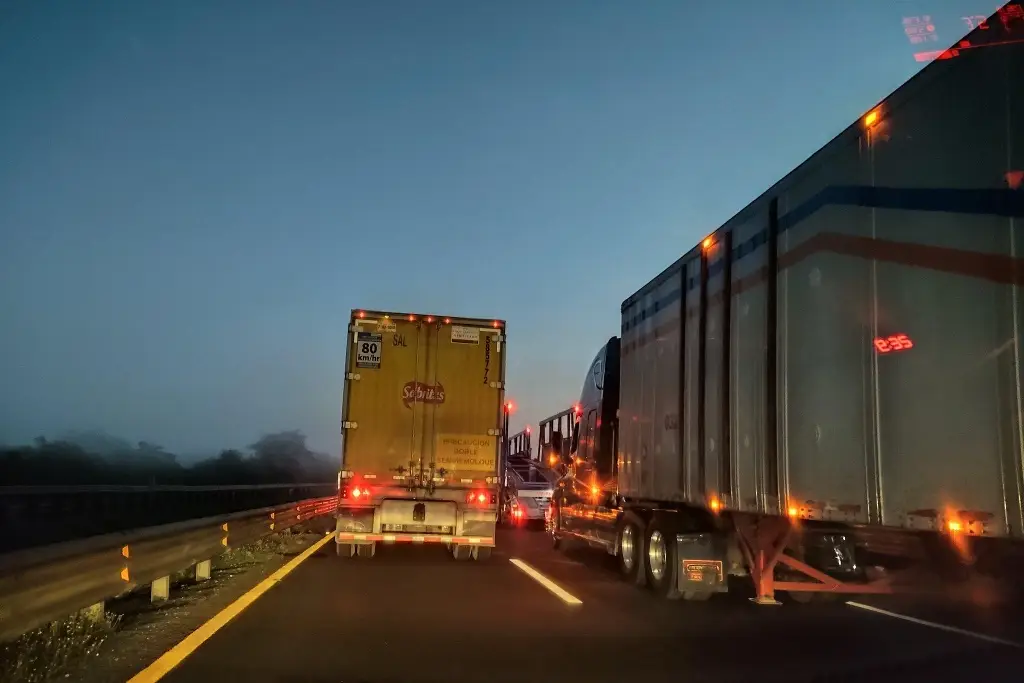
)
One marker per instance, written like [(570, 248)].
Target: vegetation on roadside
[(83, 458), (63, 649), (45, 653)]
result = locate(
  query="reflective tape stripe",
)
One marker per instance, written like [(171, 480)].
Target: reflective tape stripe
[(417, 538)]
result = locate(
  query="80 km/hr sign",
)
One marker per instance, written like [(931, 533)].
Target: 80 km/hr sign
[(368, 347)]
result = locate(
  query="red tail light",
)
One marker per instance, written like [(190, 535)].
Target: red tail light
[(481, 498), (359, 493), (517, 513)]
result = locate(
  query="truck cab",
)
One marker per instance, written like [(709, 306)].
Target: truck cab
[(586, 497)]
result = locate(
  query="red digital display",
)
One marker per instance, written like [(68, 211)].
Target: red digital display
[(923, 29), (919, 29), (893, 343)]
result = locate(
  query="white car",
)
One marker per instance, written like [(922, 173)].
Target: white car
[(529, 505)]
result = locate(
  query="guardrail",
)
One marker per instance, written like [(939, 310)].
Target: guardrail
[(44, 584), (41, 515)]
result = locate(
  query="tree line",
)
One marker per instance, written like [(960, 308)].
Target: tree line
[(90, 458)]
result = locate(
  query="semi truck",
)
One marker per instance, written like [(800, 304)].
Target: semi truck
[(839, 361), (421, 418)]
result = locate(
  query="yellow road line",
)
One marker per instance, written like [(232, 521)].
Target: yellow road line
[(173, 657), (566, 597)]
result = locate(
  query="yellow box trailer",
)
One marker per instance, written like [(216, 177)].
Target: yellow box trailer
[(421, 432)]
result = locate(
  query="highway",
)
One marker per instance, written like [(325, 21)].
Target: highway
[(414, 614)]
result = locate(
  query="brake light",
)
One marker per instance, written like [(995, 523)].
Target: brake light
[(481, 498), (518, 513), (356, 493)]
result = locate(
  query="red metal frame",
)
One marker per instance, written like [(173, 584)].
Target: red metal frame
[(764, 540)]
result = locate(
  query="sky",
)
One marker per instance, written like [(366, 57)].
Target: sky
[(194, 194)]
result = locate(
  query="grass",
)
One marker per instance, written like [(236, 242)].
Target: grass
[(51, 652), (45, 654)]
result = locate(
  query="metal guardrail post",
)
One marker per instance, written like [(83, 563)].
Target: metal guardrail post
[(47, 583)]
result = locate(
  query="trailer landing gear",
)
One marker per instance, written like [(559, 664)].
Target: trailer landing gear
[(764, 540)]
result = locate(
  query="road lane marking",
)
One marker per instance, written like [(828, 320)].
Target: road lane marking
[(177, 654), (566, 597), (935, 625)]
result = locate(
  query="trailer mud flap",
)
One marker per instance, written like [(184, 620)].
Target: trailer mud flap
[(701, 563), (354, 520)]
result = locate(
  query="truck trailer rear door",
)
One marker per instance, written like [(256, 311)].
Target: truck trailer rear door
[(423, 399), (467, 362)]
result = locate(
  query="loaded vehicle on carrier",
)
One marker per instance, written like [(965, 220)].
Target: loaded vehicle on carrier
[(839, 361), (527, 485), (421, 428)]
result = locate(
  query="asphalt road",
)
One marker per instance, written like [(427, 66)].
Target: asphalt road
[(413, 614)]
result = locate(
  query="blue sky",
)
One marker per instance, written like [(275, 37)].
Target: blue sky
[(193, 194)]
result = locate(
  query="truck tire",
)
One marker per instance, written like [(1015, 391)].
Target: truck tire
[(345, 550), (481, 553), (367, 550), (629, 549), (461, 552), (660, 563)]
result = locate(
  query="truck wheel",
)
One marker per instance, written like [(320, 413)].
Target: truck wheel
[(481, 553), (344, 549), (660, 559), (367, 550), (629, 550), (461, 552)]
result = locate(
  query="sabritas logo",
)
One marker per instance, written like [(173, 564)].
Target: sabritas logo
[(420, 392)]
